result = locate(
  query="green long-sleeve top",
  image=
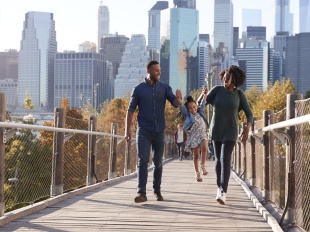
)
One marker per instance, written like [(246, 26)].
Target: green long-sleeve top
[(226, 105)]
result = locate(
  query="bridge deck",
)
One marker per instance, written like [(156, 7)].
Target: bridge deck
[(188, 206)]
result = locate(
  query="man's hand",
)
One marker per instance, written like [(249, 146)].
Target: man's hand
[(128, 135), (205, 90)]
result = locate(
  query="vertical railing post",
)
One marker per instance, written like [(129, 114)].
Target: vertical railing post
[(58, 154), (253, 161), (91, 159), (266, 158), (243, 155), (113, 146), (290, 158), (127, 169), (272, 158), (2, 152)]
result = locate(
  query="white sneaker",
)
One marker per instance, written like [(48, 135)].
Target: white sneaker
[(221, 198), (218, 194)]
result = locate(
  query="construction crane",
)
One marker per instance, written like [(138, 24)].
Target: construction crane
[(188, 68)]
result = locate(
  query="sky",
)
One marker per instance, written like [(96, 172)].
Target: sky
[(76, 20)]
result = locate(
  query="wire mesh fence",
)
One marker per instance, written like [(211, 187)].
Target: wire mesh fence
[(283, 163), (29, 155), (28, 164), (302, 167)]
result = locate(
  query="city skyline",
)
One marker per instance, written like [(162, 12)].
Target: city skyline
[(82, 20)]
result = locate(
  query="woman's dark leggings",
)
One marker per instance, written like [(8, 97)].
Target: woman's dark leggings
[(222, 155)]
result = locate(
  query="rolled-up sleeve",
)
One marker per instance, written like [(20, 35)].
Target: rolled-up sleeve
[(171, 96), (133, 100)]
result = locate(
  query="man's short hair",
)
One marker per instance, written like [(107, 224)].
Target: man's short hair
[(151, 63)]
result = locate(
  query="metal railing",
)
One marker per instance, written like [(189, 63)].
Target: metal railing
[(275, 162), (39, 160)]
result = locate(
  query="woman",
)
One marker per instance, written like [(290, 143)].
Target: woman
[(227, 101)]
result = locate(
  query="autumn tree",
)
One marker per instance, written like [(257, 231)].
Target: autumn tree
[(274, 98)]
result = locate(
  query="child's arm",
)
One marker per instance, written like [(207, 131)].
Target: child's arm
[(203, 95)]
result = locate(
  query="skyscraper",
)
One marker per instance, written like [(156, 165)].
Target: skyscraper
[(179, 45), (283, 18), (253, 56), (9, 65), (80, 78), (36, 60), (132, 69), (304, 16), (154, 25), (258, 33), (297, 61), (113, 48), (103, 23), (185, 4), (251, 17), (223, 25)]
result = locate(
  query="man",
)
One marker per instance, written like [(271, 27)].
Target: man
[(150, 96)]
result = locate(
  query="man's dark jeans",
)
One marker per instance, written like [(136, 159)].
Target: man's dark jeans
[(146, 141), (222, 155)]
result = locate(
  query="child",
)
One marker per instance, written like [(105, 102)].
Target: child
[(196, 125), (179, 139)]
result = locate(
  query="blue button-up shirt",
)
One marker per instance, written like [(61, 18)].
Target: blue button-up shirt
[(151, 101)]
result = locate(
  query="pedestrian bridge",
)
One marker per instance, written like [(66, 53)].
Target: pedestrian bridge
[(187, 206), (66, 175)]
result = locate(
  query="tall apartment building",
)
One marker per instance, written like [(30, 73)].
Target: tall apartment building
[(113, 47), (297, 61), (179, 46), (223, 25), (132, 69), (304, 16), (103, 23), (36, 60), (154, 25), (80, 77)]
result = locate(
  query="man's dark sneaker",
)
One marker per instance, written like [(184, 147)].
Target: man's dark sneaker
[(158, 196), (141, 198)]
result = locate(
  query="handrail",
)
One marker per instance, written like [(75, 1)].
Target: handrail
[(287, 123), (55, 129)]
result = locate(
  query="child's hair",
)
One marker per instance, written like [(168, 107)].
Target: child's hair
[(189, 99)]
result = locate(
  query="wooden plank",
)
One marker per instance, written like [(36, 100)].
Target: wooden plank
[(187, 206)]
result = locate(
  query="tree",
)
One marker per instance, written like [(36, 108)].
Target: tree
[(274, 98), (27, 102)]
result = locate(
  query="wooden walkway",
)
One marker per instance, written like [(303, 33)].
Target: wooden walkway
[(187, 206)]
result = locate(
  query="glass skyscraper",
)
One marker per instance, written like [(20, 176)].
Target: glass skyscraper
[(80, 77), (304, 15), (179, 45), (154, 25), (283, 18), (36, 60), (103, 23), (223, 25)]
